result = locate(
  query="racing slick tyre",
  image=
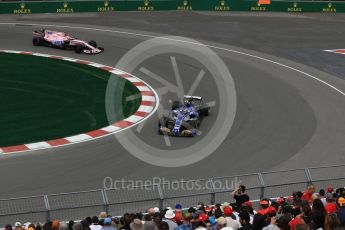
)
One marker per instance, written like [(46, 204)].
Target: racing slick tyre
[(37, 41), (175, 105), (92, 43), (204, 111), (79, 48), (195, 123)]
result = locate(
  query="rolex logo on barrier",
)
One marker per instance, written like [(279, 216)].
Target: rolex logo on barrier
[(222, 6), (185, 6), (258, 7), (65, 9), (294, 8), (329, 9), (105, 7), (146, 7), (22, 9)]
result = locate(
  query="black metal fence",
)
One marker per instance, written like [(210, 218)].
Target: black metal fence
[(116, 201)]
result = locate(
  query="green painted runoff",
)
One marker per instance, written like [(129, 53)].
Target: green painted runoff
[(43, 99)]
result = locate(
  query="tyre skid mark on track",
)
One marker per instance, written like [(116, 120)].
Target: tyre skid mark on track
[(148, 106)]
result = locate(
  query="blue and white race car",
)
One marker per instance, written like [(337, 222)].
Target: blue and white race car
[(184, 118)]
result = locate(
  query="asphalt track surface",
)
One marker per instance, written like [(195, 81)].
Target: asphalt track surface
[(284, 119)]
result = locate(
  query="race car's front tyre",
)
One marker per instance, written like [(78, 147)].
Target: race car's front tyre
[(37, 41), (79, 48), (175, 105), (93, 43)]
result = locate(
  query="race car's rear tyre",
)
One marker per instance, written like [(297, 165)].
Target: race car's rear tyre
[(175, 105), (204, 111), (37, 41), (79, 48), (93, 43), (195, 123)]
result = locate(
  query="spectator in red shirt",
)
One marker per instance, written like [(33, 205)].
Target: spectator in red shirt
[(331, 207), (308, 193)]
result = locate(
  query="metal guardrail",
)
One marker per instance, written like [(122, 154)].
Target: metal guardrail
[(117, 201)]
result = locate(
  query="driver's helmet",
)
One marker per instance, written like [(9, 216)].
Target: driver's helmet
[(187, 102)]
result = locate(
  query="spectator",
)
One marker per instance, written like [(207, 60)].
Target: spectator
[(245, 220), (149, 225), (163, 226), (77, 226), (107, 224), (259, 222), (330, 206), (307, 195), (126, 222), (318, 213), (272, 225), (18, 226), (341, 210), (95, 223), (168, 217), (8, 227), (137, 225), (302, 227), (212, 223), (239, 195), (306, 212), (63, 226), (187, 224), (283, 222), (230, 222), (221, 223), (70, 225), (264, 203), (55, 225), (331, 222)]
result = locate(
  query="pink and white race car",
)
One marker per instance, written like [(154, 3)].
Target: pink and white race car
[(62, 40)]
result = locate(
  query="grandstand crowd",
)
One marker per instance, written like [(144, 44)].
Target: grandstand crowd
[(308, 210)]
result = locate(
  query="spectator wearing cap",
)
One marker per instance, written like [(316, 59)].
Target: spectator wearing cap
[(307, 195), (178, 214), (230, 222), (18, 226), (341, 210), (107, 224), (330, 206), (239, 195), (137, 225), (264, 203), (245, 220), (95, 223), (169, 219)]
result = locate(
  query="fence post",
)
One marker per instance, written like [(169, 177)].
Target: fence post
[(262, 186), (308, 175), (47, 206), (161, 197), (213, 191), (105, 201)]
